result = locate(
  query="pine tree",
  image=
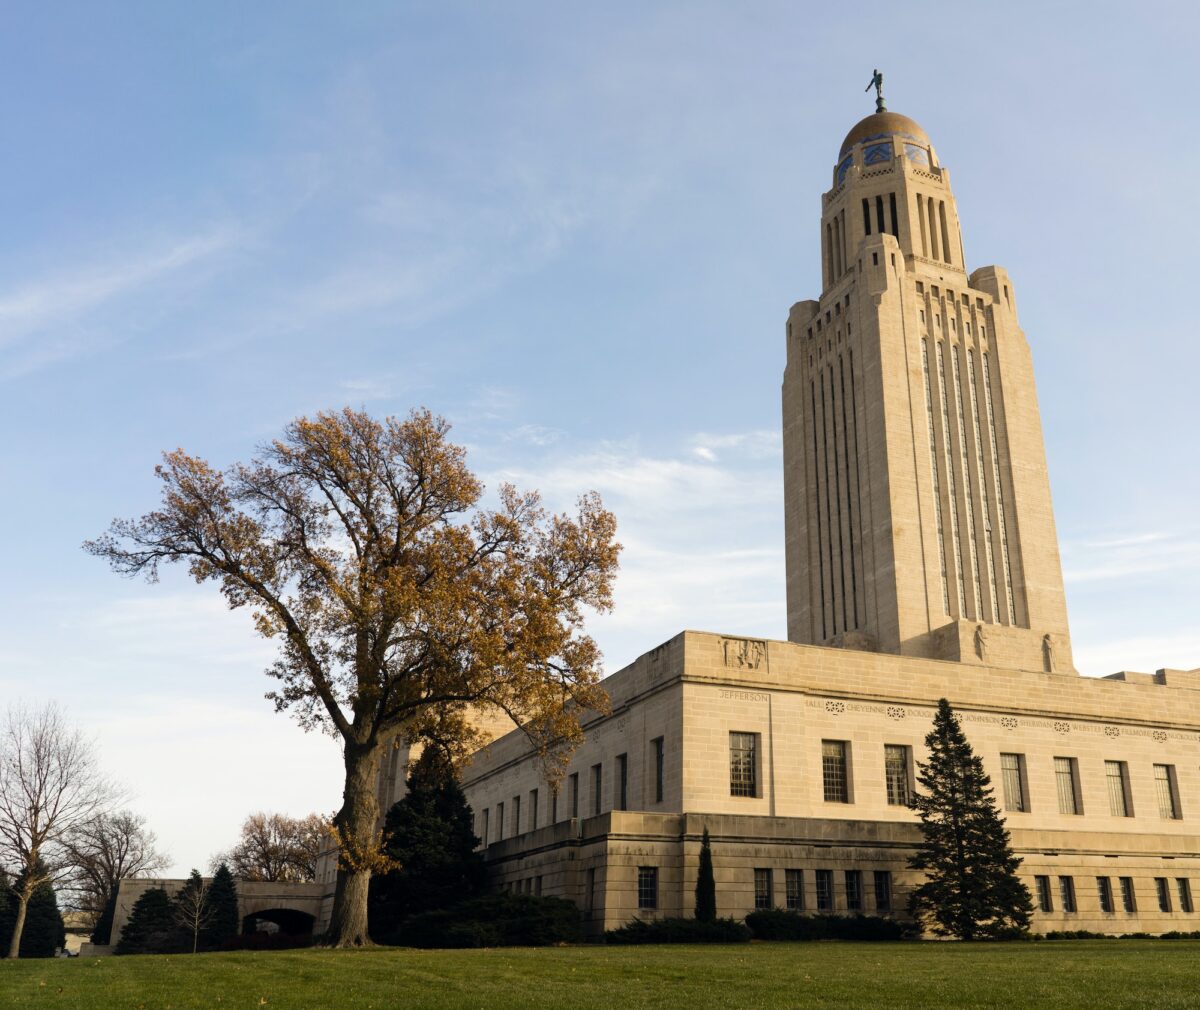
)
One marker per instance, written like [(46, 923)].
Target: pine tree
[(44, 932), (224, 922), (430, 835), (706, 884), (8, 912), (972, 890), (151, 928), (102, 932)]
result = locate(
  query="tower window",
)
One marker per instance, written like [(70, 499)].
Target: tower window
[(879, 214), (895, 223), (866, 216)]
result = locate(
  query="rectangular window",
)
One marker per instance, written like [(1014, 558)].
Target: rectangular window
[(657, 745), (499, 821), (537, 886), (1184, 887), (1066, 777), (516, 815), (1012, 768), (897, 759), (1045, 903), (743, 764), (794, 882), (1104, 889), (762, 889), (622, 782), (1117, 775), (854, 900), (590, 897), (533, 809), (573, 794), (824, 880), (1167, 792), (833, 771), (883, 890), (1066, 893), (1128, 900), (597, 785), (483, 834), (554, 805), (647, 887), (1164, 894)]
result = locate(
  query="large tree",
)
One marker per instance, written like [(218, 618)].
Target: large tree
[(400, 601), (48, 787), (971, 890), (103, 851), (224, 923), (277, 847)]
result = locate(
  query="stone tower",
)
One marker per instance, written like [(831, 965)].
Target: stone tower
[(917, 502)]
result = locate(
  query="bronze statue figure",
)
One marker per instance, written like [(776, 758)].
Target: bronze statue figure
[(877, 84)]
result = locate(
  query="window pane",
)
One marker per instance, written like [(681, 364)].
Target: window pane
[(1185, 894), (824, 890), (1164, 894), (883, 890), (794, 879), (854, 890), (762, 889), (1066, 892), (1064, 776), (1128, 902), (895, 764), (1043, 894), (622, 782), (647, 887), (743, 764), (1114, 773), (833, 771), (1104, 887), (1165, 790), (1014, 794), (658, 770)]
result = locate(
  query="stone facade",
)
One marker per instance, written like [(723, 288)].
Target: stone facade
[(690, 696)]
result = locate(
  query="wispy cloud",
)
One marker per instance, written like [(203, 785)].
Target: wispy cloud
[(1130, 555)]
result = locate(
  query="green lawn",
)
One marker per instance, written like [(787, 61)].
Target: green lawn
[(1154, 975)]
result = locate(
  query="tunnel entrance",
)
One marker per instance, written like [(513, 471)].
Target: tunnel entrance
[(284, 921)]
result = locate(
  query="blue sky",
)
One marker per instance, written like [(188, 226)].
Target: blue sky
[(575, 230)]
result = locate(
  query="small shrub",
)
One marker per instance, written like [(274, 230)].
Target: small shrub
[(780, 924), (1077, 934), (679, 931), (493, 920)]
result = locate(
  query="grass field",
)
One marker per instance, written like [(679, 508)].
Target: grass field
[(1149, 975)]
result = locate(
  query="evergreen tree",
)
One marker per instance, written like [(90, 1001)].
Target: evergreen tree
[(8, 913), (224, 922), (102, 932), (706, 884), (972, 890), (151, 928), (44, 931), (430, 835)]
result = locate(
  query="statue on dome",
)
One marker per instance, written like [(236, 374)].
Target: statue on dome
[(877, 84)]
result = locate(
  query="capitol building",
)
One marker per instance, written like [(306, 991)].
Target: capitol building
[(922, 562)]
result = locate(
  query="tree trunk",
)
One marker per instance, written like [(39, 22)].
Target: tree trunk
[(14, 947), (356, 824)]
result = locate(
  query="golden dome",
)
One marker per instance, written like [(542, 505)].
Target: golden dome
[(882, 124)]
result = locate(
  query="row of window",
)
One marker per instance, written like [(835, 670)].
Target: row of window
[(1104, 889), (853, 883), (1015, 782), (764, 889), (515, 824), (897, 770)]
